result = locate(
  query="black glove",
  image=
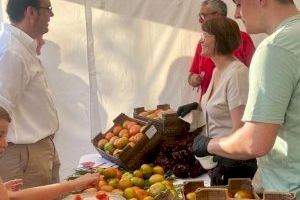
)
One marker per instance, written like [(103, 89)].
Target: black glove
[(185, 109), (225, 161), (217, 175), (200, 146), (232, 169)]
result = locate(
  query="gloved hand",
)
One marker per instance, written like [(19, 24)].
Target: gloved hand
[(185, 109), (200, 146), (227, 162), (217, 175)]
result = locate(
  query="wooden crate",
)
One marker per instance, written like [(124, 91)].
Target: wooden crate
[(279, 196), (139, 110), (218, 192), (236, 184), (131, 157), (169, 123), (191, 186), (212, 194), (222, 192)]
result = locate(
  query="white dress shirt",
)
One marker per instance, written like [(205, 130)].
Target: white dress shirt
[(24, 92)]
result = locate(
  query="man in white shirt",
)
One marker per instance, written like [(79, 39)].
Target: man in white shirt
[(24, 93)]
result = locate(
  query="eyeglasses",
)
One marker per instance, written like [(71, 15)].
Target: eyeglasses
[(204, 35), (203, 16), (49, 8)]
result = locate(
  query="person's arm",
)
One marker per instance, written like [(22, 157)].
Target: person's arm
[(251, 141), (3, 191), (236, 117), (194, 69), (271, 87), (14, 185), (55, 190), (195, 80)]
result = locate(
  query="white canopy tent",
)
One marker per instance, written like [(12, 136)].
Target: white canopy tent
[(104, 57)]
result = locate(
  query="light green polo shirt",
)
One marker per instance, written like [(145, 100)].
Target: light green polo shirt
[(274, 97)]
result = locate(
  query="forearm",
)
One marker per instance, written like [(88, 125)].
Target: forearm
[(229, 147), (43, 192), (251, 141), (190, 81), (3, 191)]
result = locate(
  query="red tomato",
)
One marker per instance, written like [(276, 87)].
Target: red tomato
[(102, 196), (77, 197)]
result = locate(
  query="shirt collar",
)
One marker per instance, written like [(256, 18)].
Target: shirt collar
[(24, 38)]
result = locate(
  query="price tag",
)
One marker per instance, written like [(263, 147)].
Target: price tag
[(151, 132)]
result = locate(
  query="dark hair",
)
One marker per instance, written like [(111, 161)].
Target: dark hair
[(226, 32), (15, 8), (4, 115)]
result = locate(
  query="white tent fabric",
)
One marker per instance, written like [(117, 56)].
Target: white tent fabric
[(104, 57)]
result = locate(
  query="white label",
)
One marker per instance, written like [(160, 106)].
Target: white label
[(151, 132)]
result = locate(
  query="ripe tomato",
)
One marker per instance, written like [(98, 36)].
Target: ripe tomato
[(77, 197), (102, 196)]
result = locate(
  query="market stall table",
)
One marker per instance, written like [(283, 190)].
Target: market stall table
[(95, 160)]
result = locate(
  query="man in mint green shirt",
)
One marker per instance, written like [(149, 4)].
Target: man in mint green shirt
[(272, 116)]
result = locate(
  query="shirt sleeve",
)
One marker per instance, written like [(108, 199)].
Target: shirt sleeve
[(238, 85), (273, 77), (247, 49), (13, 79), (196, 61)]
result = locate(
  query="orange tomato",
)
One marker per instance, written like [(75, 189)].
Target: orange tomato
[(134, 129), (130, 124), (117, 129)]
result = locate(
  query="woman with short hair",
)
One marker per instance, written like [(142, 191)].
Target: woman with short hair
[(224, 101)]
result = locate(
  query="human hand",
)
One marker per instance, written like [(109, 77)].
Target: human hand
[(14, 185), (185, 109), (85, 181), (195, 80), (200, 146)]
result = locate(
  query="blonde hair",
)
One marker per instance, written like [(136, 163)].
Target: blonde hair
[(4, 115)]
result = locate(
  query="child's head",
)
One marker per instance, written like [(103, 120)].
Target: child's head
[(4, 124)]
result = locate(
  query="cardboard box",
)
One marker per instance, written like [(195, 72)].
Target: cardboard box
[(279, 196)]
